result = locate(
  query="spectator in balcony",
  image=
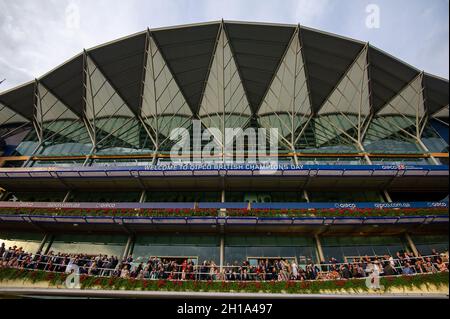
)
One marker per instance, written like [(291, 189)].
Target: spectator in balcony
[(429, 268), (400, 259), (2, 250), (125, 273), (204, 270), (441, 266), (184, 266), (389, 269), (294, 270), (373, 268), (407, 269), (345, 272), (419, 266), (435, 255)]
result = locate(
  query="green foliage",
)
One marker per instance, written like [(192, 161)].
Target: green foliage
[(290, 287)]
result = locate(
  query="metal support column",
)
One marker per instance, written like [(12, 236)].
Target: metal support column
[(66, 198), (411, 245), (143, 196), (222, 252), (128, 247), (388, 197), (42, 244), (319, 248), (433, 159), (306, 196), (50, 243)]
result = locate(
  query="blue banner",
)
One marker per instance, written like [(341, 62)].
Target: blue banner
[(229, 167), (275, 206)]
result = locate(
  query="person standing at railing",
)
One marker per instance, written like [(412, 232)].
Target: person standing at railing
[(408, 270), (2, 250), (183, 269), (372, 268), (435, 255), (429, 268), (294, 268), (389, 269), (442, 266)]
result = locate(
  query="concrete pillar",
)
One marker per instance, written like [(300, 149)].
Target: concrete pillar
[(319, 248), (411, 245)]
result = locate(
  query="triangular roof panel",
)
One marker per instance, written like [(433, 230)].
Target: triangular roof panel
[(442, 113), (258, 50), (388, 77), (66, 83), (327, 58), (351, 95), (20, 100), (436, 93), (122, 63), (187, 52), (8, 116)]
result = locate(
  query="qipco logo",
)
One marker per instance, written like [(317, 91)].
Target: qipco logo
[(346, 205)]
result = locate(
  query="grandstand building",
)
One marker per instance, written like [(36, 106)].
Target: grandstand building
[(362, 149)]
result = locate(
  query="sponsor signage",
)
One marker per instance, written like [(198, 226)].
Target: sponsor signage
[(277, 206), (225, 167)]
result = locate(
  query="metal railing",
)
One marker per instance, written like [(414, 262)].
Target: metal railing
[(157, 269)]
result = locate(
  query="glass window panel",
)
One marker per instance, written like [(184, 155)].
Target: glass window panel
[(204, 247), (89, 244), (29, 242)]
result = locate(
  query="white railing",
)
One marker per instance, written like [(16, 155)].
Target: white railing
[(172, 271)]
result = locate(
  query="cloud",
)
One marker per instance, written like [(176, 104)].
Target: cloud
[(36, 36)]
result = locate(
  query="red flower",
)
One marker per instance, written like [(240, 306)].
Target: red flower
[(305, 285), (98, 282), (242, 285), (290, 284), (161, 283)]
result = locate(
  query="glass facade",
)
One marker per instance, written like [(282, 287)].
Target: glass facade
[(342, 197), (240, 248), (111, 245), (95, 196), (173, 196), (343, 247), (426, 244), (273, 196), (35, 196), (29, 242), (199, 247)]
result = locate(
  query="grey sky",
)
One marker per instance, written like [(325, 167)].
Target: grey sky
[(38, 35)]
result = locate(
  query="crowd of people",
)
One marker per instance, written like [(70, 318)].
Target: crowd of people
[(403, 263)]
